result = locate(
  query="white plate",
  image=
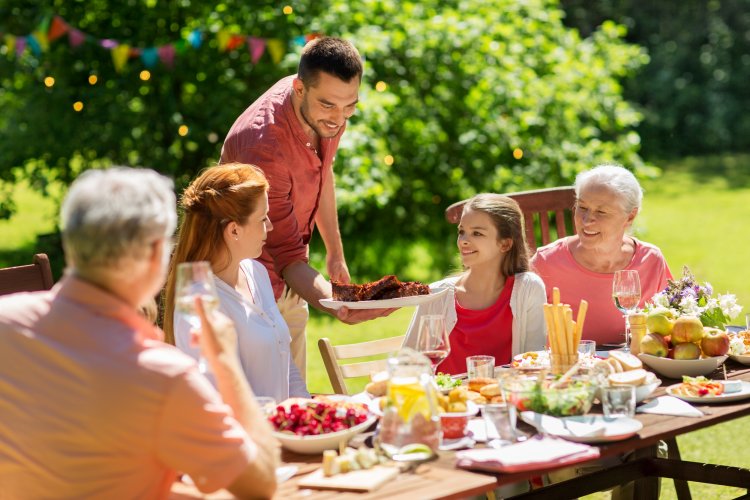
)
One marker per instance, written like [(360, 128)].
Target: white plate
[(676, 368), (457, 444), (645, 390), (741, 358), (385, 303), (584, 428), (744, 393)]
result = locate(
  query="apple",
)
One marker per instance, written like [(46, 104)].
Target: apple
[(668, 340), (715, 342), (687, 350), (653, 344), (687, 329), (660, 321)]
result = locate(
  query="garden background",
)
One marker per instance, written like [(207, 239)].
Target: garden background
[(458, 97)]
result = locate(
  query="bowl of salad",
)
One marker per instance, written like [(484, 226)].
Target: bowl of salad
[(551, 395)]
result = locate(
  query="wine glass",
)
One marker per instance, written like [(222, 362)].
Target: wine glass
[(432, 339), (626, 292), (195, 279)]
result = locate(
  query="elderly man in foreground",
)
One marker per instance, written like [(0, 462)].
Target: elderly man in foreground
[(93, 403)]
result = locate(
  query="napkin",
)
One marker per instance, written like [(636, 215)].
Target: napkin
[(669, 405), (535, 453)]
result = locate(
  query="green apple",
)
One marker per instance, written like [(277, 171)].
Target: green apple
[(653, 344), (659, 321), (687, 329), (687, 350)]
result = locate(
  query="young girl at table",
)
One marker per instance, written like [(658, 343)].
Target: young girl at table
[(225, 222), (494, 307)]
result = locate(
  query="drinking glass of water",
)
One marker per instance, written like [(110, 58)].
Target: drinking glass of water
[(195, 279)]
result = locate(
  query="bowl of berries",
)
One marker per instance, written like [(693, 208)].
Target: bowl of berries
[(311, 426)]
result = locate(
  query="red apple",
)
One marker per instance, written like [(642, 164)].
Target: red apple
[(668, 340), (670, 352), (687, 350), (687, 329), (715, 342)]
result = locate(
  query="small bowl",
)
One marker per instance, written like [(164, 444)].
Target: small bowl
[(676, 368), (454, 423), (309, 445), (573, 397)]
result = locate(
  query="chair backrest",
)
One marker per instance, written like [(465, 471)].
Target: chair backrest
[(333, 354), (547, 213), (28, 278)]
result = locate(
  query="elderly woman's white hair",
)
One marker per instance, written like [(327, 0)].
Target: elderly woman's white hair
[(115, 214), (616, 178)]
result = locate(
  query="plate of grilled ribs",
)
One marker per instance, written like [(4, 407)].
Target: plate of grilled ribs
[(387, 292)]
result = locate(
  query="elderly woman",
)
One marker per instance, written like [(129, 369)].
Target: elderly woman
[(582, 266)]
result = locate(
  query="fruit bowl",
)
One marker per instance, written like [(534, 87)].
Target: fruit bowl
[(676, 368), (547, 396), (309, 445)]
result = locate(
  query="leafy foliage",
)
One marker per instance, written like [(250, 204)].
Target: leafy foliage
[(458, 98)]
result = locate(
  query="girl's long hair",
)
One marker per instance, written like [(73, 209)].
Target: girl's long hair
[(507, 217), (219, 195)]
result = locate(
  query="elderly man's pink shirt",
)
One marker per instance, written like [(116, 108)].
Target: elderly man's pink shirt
[(269, 135), (94, 405), (604, 322)]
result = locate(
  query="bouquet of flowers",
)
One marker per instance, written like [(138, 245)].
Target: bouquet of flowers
[(688, 297)]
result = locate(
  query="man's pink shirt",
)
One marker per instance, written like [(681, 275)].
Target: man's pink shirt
[(604, 322), (269, 135), (94, 405)]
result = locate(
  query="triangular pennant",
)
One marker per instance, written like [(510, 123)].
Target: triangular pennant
[(75, 37), (166, 54), (108, 43), (134, 52), (120, 56), (276, 49), (41, 38), (149, 57), (20, 45), (235, 41), (312, 36), (57, 28), (256, 46), (195, 38), (10, 41), (44, 25), (33, 45), (222, 37), (300, 40)]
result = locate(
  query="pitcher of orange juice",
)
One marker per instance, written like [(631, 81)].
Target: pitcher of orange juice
[(410, 416)]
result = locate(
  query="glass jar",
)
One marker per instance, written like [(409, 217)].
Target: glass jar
[(411, 414)]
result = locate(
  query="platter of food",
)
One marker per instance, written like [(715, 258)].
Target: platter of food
[(531, 360), (425, 295), (703, 390), (739, 346)]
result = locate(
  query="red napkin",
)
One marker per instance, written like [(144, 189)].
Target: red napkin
[(532, 454)]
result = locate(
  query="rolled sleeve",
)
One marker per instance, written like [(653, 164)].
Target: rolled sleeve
[(199, 436)]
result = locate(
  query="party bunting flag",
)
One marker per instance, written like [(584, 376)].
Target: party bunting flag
[(120, 55), (195, 38), (166, 54), (10, 41), (149, 57), (300, 40), (20, 45), (222, 38), (235, 41), (75, 37), (256, 46), (33, 45), (276, 49), (41, 38), (57, 29)]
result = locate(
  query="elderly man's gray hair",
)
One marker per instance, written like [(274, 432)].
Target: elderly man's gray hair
[(116, 213), (616, 178)]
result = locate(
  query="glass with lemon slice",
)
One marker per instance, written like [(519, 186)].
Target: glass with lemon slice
[(411, 419)]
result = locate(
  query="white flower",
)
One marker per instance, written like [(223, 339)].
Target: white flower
[(736, 346), (660, 300), (689, 306), (729, 306)]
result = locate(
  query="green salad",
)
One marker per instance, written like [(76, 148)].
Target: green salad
[(574, 398), (445, 381)]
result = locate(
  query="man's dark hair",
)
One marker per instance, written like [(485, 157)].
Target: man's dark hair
[(334, 56)]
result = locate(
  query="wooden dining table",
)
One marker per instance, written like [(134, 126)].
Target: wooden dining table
[(441, 478)]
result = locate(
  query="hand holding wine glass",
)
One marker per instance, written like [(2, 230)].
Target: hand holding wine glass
[(195, 279), (626, 292), (432, 339)]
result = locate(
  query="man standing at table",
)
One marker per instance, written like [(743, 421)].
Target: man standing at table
[(292, 133), (94, 404)]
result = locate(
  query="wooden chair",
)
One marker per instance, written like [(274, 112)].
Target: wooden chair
[(544, 210), (29, 278), (337, 372)]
